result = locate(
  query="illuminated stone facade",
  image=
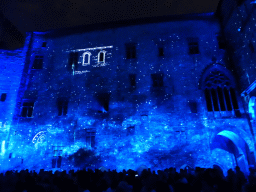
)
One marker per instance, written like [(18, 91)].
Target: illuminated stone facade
[(12, 65), (160, 94)]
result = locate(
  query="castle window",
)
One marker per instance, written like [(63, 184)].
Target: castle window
[(86, 58), (132, 78), (73, 59), (220, 99), (193, 46), (219, 93), (90, 139), (44, 44), (251, 47), (3, 97), (38, 62), (57, 150), (101, 56), (221, 42), (62, 104), (57, 156), (157, 80), (130, 51), (27, 109), (193, 106), (160, 51)]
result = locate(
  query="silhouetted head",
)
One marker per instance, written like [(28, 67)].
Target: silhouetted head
[(237, 168), (230, 172)]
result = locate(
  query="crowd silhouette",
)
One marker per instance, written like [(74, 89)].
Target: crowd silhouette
[(168, 180)]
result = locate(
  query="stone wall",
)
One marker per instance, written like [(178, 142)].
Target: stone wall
[(146, 110), (12, 64)]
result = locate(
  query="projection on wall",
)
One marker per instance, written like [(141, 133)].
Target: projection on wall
[(157, 95), (96, 57)]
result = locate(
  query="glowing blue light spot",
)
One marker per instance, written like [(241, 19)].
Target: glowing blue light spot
[(3, 147)]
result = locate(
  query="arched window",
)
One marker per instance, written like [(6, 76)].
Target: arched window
[(101, 56), (219, 91), (86, 58)]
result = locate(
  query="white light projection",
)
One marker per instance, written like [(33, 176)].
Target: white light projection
[(93, 48), (39, 137), (87, 58), (252, 106), (80, 72), (3, 147)]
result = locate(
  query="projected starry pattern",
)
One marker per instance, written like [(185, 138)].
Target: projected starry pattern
[(139, 109)]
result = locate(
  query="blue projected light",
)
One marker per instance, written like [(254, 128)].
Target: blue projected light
[(93, 105)]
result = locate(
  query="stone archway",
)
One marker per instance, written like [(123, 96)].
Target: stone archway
[(220, 168), (235, 145)]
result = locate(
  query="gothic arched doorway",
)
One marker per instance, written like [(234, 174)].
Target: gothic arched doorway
[(235, 145)]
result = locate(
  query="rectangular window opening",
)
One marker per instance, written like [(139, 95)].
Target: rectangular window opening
[(27, 109), (157, 80), (251, 47), (38, 62), (44, 44), (62, 105), (130, 51), (57, 156), (132, 78), (193, 106), (160, 51), (90, 139), (3, 97), (193, 46), (221, 42)]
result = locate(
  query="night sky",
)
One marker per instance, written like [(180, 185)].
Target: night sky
[(42, 15)]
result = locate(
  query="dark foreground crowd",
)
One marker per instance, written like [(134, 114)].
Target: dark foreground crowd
[(198, 180)]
